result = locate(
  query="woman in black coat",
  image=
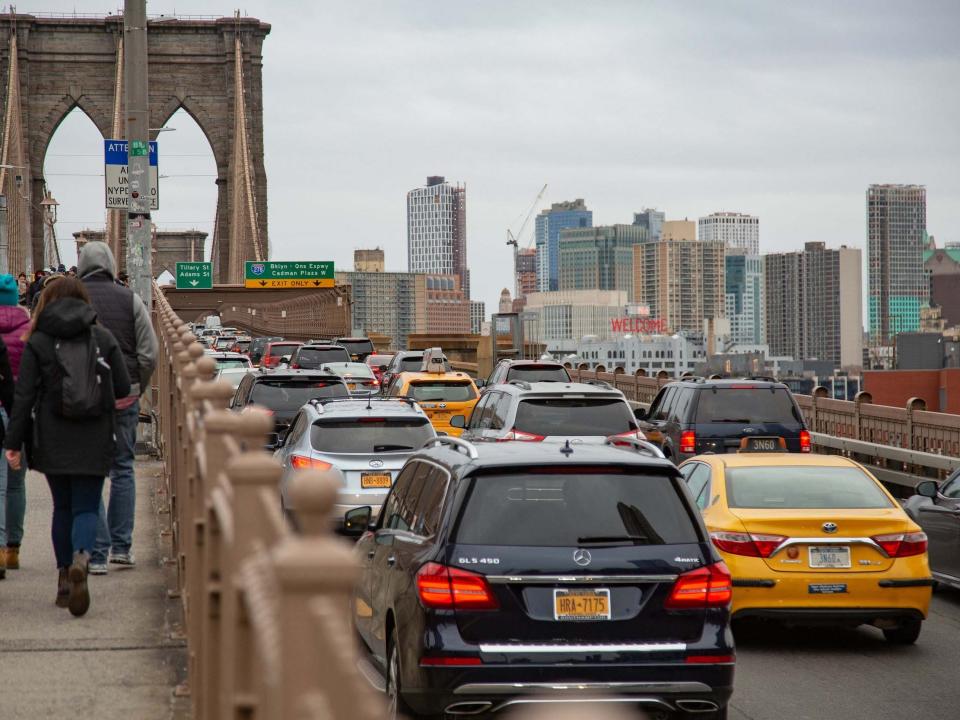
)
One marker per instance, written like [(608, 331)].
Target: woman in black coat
[(74, 453)]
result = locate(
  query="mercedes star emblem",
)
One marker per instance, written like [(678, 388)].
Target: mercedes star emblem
[(829, 527), (582, 557), (376, 463)]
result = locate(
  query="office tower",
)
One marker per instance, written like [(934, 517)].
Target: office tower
[(814, 306), (478, 316), (682, 281), (437, 230), (368, 260), (652, 220), (599, 258), (745, 301), (547, 227), (678, 230), (526, 272), (734, 230), (896, 234)]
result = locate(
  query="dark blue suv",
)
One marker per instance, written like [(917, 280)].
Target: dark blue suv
[(508, 573)]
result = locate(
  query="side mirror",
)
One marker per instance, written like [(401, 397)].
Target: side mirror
[(357, 520), (927, 488), (480, 382), (639, 413), (458, 421)]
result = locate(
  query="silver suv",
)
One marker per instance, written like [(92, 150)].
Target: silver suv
[(553, 411), (368, 440)]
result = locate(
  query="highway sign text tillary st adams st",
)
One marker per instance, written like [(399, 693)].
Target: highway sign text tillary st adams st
[(194, 276), (289, 274)]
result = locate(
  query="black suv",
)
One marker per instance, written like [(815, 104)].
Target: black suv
[(718, 416), (314, 355), (358, 347), (528, 370), (510, 573), (284, 392)]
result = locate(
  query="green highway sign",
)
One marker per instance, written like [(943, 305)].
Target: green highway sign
[(194, 276), (289, 274), (138, 147)]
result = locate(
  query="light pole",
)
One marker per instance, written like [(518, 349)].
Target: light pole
[(51, 253)]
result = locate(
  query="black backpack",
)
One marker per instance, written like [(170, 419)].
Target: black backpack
[(87, 390)]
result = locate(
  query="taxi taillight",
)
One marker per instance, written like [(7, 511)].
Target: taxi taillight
[(705, 587), (748, 544), (899, 545)]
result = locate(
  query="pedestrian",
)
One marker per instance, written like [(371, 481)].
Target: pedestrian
[(35, 287), (22, 287), (123, 313), (70, 373), (14, 325)]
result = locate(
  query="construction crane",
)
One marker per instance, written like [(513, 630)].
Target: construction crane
[(514, 240)]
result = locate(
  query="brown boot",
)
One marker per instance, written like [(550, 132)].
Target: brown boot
[(3, 565), (79, 600), (63, 588), (13, 558)]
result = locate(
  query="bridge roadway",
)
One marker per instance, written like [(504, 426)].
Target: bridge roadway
[(123, 660)]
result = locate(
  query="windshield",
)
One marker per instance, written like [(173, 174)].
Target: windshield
[(370, 435), (357, 347), (442, 391), (746, 405), (574, 416), (572, 506), (312, 358), (538, 373), (800, 487), (223, 363), (290, 395)]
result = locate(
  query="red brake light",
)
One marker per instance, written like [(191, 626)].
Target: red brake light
[(805, 441), (521, 435), (449, 661), (709, 659), (900, 545), (302, 462), (705, 587), (688, 441), (448, 588), (750, 545)]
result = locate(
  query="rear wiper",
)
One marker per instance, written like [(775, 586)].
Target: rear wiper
[(387, 448), (635, 539), (736, 420)]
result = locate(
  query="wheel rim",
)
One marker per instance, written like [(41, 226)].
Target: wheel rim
[(393, 700)]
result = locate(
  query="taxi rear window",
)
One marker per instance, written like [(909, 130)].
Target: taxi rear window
[(803, 488), (442, 391)]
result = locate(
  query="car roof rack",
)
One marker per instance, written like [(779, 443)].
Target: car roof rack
[(760, 378), (318, 403), (599, 383), (455, 443), (640, 446)]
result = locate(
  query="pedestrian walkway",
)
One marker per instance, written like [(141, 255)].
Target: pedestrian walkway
[(123, 659)]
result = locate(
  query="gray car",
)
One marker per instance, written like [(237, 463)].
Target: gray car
[(367, 439)]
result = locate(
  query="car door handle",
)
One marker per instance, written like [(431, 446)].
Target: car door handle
[(392, 560), (370, 554)]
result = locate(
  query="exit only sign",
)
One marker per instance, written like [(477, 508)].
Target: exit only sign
[(289, 274), (194, 276)]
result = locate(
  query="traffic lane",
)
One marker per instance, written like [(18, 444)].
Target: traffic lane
[(824, 673)]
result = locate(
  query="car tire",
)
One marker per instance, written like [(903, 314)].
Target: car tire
[(396, 707), (906, 633)]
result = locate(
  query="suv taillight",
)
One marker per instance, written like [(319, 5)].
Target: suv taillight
[(521, 435), (302, 462), (688, 441), (450, 588), (805, 441), (901, 545), (705, 587), (748, 544)]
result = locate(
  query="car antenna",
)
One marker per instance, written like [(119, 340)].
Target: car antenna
[(566, 449), (369, 401)]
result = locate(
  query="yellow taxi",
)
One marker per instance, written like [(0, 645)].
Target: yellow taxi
[(442, 395), (813, 538)]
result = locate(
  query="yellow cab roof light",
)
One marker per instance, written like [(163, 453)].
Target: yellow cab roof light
[(433, 361)]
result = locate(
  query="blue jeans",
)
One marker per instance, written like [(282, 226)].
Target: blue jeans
[(115, 528), (75, 502), (13, 498)]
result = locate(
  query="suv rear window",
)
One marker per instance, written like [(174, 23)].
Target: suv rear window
[(442, 391), (538, 373), (574, 507), (746, 405), (370, 435), (312, 358), (289, 395), (282, 348), (223, 363), (357, 347), (574, 416), (799, 487)]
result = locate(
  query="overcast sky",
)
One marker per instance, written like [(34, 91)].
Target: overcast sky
[(783, 110)]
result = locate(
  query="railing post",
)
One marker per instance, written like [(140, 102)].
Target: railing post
[(913, 404), (818, 392), (861, 398)]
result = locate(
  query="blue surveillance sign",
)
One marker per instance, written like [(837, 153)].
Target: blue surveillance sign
[(118, 182)]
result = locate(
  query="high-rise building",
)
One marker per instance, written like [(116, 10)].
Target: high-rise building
[(547, 227), (506, 302), (734, 230), (942, 266), (526, 272), (682, 281), (368, 260), (447, 306), (814, 304), (437, 230), (478, 316), (678, 230), (573, 314), (896, 234), (599, 258), (652, 220), (745, 301)]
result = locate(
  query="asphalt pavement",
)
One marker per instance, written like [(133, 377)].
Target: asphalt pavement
[(120, 661), (827, 674)]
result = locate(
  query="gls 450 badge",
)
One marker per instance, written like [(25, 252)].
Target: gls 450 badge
[(478, 561)]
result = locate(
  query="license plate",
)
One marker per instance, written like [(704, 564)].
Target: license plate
[(351, 386), (763, 444), (374, 480), (827, 588), (829, 556), (581, 604)]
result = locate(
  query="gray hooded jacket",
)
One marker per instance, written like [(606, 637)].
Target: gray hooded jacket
[(121, 311)]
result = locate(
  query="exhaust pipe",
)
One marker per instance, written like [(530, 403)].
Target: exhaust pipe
[(474, 707), (698, 706)]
